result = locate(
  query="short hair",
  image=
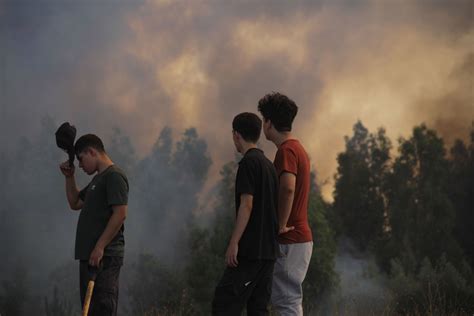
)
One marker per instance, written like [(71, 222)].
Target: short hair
[(88, 140), (248, 125), (279, 109)]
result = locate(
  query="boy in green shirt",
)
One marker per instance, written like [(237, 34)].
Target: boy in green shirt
[(99, 236)]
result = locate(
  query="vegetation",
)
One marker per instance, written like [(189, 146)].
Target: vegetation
[(411, 210)]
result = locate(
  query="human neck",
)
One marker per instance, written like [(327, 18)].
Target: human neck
[(280, 138), (247, 146), (103, 163)]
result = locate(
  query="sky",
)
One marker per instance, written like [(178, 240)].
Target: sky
[(143, 65)]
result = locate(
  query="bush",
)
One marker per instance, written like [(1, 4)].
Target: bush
[(434, 290)]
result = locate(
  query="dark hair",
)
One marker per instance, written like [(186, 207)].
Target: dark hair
[(249, 125), (279, 109), (88, 140)]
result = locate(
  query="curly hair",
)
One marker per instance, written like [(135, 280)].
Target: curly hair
[(279, 109)]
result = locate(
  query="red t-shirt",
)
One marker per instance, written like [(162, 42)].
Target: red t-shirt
[(291, 157)]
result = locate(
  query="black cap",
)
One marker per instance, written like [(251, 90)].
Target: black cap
[(65, 136)]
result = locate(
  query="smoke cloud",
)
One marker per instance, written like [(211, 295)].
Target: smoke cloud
[(143, 65)]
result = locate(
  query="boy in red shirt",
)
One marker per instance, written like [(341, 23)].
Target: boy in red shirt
[(295, 237)]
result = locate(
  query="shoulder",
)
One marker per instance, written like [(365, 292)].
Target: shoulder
[(292, 147), (116, 174), (286, 149)]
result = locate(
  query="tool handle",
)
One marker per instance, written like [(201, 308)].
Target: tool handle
[(87, 301)]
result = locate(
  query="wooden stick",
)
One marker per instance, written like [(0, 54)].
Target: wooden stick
[(87, 301)]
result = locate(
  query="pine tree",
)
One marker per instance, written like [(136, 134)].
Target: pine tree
[(359, 195), (421, 214), (461, 192)]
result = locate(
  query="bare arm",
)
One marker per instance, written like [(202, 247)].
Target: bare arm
[(243, 215), (286, 194), (72, 192), (113, 226)]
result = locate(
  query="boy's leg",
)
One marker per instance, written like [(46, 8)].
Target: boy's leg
[(289, 273), (235, 288), (106, 289), (257, 304)]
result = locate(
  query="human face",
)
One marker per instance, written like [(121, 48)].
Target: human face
[(87, 161)]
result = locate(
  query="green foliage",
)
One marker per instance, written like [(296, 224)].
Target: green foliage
[(421, 214), (433, 290), (157, 289), (207, 246), (321, 277), (63, 283), (461, 193), (166, 188), (14, 294), (359, 196), (121, 150), (58, 306)]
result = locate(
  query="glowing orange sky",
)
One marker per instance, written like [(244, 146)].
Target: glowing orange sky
[(387, 65), (148, 64)]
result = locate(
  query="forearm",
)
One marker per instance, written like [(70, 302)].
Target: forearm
[(243, 217), (285, 203), (113, 226), (72, 192)]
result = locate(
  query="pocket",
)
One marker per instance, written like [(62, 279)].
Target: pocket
[(283, 250)]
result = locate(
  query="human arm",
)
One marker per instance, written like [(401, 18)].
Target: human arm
[(72, 192), (286, 194), (113, 226), (243, 215)]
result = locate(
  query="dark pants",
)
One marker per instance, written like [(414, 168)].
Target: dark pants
[(249, 284), (105, 296)]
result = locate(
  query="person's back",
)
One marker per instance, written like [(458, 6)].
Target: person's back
[(259, 241), (295, 237), (252, 249)]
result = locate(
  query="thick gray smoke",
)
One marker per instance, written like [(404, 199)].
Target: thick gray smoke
[(131, 68)]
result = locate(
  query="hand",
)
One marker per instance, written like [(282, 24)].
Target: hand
[(231, 255), (285, 229), (66, 169), (96, 256)]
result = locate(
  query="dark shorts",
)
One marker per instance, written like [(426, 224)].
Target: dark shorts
[(105, 296), (248, 285)]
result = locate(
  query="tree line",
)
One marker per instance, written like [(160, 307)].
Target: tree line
[(411, 209)]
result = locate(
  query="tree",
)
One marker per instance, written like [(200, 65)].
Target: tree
[(167, 184), (359, 195), (421, 214), (321, 277), (208, 245), (121, 150), (157, 289), (461, 193)]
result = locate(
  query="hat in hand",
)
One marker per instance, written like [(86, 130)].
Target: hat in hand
[(65, 136)]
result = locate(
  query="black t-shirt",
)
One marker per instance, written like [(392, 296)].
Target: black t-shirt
[(257, 176), (106, 189)]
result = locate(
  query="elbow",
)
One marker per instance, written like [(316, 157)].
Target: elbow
[(288, 191)]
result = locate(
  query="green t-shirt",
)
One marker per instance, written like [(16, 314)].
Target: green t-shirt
[(108, 188)]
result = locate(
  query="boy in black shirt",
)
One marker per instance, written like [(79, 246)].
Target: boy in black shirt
[(252, 249)]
